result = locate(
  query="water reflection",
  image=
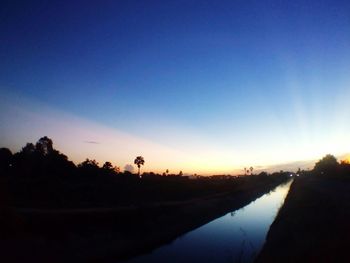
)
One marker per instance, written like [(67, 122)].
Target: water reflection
[(236, 237)]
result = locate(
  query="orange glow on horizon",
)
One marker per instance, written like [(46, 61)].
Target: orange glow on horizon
[(179, 150), (346, 159)]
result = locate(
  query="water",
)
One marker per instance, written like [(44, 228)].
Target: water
[(235, 237)]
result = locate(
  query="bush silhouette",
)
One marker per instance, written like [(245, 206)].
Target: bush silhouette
[(5, 159), (326, 165)]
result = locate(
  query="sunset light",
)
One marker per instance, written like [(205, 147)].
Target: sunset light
[(244, 94), (174, 131)]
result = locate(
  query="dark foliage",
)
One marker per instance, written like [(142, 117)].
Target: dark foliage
[(5, 160), (40, 176), (327, 165), (139, 161), (45, 196), (41, 160)]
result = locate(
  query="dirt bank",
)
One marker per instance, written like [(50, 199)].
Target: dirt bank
[(313, 225), (113, 234)]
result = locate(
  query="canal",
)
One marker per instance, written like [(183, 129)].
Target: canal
[(235, 237)]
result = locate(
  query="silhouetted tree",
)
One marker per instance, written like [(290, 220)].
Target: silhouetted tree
[(327, 164), (344, 162), (251, 169), (109, 169), (139, 161), (89, 167), (28, 149), (44, 145), (180, 173), (57, 163), (128, 173), (41, 160), (107, 166), (263, 174), (89, 163), (27, 161), (5, 159), (345, 167)]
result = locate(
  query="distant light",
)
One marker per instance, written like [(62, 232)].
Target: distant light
[(297, 174), (291, 175)]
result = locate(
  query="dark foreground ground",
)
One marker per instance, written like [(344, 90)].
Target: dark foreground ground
[(314, 223), (42, 229)]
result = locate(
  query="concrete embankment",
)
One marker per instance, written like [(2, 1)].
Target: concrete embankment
[(313, 224)]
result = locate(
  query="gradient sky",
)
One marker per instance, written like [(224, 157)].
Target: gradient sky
[(198, 86)]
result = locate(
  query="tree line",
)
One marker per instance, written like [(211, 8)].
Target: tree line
[(42, 159)]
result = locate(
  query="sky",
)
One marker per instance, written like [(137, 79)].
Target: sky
[(199, 86)]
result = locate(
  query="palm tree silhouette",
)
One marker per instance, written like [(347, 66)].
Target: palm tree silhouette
[(139, 161)]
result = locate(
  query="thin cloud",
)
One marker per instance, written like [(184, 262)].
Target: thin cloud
[(92, 142)]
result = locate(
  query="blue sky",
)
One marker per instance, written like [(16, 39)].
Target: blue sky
[(255, 82)]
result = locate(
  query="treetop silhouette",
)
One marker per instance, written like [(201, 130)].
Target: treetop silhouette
[(327, 164), (139, 160)]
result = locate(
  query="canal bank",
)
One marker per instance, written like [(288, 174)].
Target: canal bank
[(235, 237), (190, 215), (313, 225), (164, 224), (112, 234)]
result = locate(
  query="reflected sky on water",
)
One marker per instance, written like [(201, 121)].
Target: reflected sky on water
[(235, 237)]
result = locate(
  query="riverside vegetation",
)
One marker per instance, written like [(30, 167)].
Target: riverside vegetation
[(53, 210), (313, 224)]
